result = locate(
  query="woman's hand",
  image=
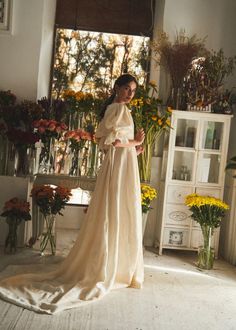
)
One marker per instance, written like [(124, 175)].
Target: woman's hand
[(140, 136), (139, 149)]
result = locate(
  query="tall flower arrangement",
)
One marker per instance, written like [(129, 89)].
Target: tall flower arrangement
[(149, 114), (176, 57), (208, 212)]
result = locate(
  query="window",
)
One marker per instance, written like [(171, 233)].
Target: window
[(91, 61)]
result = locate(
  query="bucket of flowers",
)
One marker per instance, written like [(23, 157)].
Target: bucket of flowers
[(208, 211), (50, 201), (15, 210)]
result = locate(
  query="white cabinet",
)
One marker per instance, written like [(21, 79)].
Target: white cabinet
[(193, 161)]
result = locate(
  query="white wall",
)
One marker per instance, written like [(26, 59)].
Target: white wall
[(25, 54)]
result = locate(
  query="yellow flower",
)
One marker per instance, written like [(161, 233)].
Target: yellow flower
[(206, 210), (159, 122), (154, 118), (169, 109)]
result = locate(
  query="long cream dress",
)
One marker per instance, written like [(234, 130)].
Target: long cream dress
[(108, 251)]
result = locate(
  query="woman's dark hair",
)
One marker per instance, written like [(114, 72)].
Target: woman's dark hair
[(121, 81)]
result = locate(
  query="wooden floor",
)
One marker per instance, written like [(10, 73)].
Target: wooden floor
[(176, 295)]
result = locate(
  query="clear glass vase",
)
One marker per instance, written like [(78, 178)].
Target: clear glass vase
[(47, 157), (206, 253), (48, 236), (11, 240)]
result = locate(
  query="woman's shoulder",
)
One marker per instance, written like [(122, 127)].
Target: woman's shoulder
[(116, 107)]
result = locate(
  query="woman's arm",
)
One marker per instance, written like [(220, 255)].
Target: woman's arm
[(139, 138)]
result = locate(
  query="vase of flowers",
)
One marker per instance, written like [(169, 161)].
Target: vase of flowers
[(77, 140), (50, 200), (208, 212), (149, 114), (49, 131), (148, 193), (15, 210), (23, 143)]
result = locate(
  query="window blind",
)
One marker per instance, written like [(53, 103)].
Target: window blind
[(133, 17)]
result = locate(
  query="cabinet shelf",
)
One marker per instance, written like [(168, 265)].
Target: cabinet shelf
[(193, 163)]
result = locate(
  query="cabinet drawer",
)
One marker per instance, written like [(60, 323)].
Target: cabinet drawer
[(177, 194), (197, 239), (176, 237), (209, 192), (178, 215)]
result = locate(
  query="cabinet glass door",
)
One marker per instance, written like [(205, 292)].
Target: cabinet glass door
[(186, 130), (208, 168), (212, 135), (183, 164)]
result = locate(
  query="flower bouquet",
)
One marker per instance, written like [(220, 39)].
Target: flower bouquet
[(15, 210), (149, 114), (148, 193), (50, 200), (208, 212)]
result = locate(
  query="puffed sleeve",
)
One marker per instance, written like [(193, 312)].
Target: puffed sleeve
[(116, 125)]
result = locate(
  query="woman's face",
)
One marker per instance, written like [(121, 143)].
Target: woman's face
[(125, 93)]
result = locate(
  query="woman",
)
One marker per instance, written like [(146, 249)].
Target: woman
[(108, 251)]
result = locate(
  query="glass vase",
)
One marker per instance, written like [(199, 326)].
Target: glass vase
[(144, 221), (75, 162), (22, 164), (206, 252), (48, 236), (92, 160), (47, 157), (11, 240), (3, 154)]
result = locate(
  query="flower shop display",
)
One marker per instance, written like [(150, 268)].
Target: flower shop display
[(15, 210), (148, 193), (208, 212), (149, 114), (50, 200)]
